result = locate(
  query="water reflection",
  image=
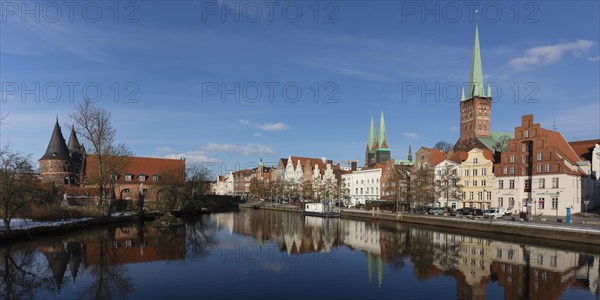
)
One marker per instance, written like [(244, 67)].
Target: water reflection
[(253, 247), (523, 271)]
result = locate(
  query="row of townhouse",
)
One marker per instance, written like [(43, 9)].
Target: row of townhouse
[(292, 173), (538, 172)]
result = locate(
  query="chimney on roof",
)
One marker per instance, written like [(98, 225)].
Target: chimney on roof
[(353, 165), (323, 159)]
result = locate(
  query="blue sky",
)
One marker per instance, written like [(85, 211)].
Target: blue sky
[(173, 62)]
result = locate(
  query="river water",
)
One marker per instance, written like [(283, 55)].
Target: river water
[(259, 254)]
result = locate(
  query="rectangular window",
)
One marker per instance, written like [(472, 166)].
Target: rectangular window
[(466, 183), (511, 202), (489, 196), (475, 172), (142, 178), (542, 183), (155, 178), (511, 184), (474, 160), (466, 172), (510, 254), (500, 184), (471, 196), (128, 177), (512, 159), (548, 168), (505, 171), (474, 182), (554, 203), (483, 172), (512, 170), (541, 203), (539, 168), (483, 183), (555, 182), (526, 133), (540, 156), (500, 202), (479, 196), (527, 184)]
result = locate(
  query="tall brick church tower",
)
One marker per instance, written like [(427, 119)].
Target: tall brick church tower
[(475, 109)]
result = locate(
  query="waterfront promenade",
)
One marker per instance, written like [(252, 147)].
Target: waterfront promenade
[(581, 230)]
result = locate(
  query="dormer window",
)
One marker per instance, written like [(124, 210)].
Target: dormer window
[(142, 177), (155, 178), (114, 177), (128, 177)]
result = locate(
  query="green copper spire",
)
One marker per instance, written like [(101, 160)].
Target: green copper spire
[(476, 79), (462, 94), (382, 136), (372, 140), (489, 91)]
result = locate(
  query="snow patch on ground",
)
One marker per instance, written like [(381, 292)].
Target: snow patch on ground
[(18, 223)]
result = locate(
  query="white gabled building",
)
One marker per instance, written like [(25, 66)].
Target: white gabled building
[(361, 186), (440, 174), (224, 185), (542, 174)]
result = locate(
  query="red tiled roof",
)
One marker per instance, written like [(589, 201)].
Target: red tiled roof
[(437, 156), (558, 142), (459, 156), (140, 165), (583, 149), (310, 160), (487, 153)]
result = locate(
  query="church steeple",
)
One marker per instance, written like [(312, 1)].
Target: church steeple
[(74, 145), (409, 153), (476, 87), (372, 142), (371, 145), (382, 135), (57, 148)]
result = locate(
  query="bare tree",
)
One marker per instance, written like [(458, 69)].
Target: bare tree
[(447, 185), (395, 186), (94, 125), (422, 187), (443, 146), (18, 185), (170, 188)]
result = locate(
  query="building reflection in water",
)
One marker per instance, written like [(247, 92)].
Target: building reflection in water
[(523, 271), (103, 254)]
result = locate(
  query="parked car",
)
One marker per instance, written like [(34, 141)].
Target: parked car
[(465, 211), (437, 211), (493, 213), (476, 212)]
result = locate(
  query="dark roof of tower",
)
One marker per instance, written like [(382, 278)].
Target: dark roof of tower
[(57, 148), (74, 145)]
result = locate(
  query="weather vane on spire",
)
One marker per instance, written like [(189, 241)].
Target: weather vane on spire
[(476, 16)]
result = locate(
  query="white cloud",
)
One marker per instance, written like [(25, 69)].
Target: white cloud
[(193, 157), (273, 126), (594, 59), (247, 150), (258, 135), (165, 149), (244, 122), (411, 135), (549, 54), (362, 74)]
